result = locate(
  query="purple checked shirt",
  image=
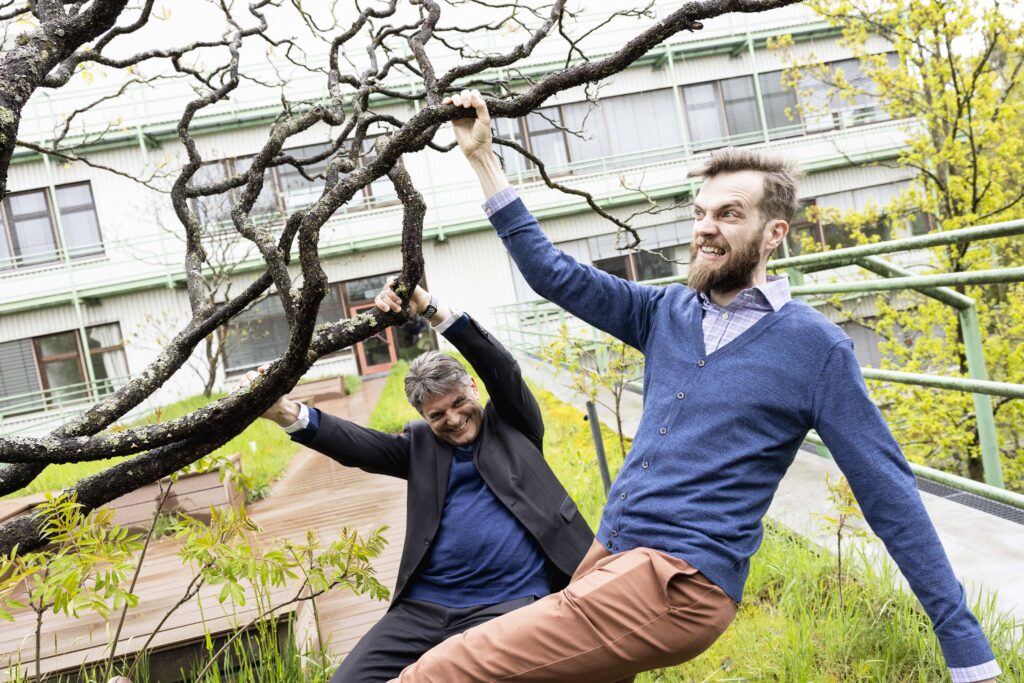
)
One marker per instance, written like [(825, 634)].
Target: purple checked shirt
[(721, 324)]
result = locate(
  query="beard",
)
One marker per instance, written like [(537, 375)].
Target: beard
[(736, 272)]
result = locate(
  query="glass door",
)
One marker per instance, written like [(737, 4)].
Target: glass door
[(376, 354)]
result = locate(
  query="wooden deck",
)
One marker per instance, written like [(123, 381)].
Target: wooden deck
[(315, 493)]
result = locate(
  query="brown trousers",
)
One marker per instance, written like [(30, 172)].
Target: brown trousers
[(620, 615)]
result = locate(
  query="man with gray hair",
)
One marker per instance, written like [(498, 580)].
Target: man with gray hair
[(489, 526)]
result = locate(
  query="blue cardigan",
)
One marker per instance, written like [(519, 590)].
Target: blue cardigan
[(719, 430)]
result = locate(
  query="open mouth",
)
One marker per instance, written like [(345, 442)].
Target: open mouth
[(711, 252)]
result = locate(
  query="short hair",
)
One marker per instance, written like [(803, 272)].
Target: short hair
[(433, 374), (778, 199)]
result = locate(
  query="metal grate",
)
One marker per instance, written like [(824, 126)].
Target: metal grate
[(992, 507)]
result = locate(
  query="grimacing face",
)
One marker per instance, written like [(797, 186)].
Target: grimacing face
[(729, 237), (455, 417)]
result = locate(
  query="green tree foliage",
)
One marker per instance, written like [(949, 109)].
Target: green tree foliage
[(600, 370), (953, 72)]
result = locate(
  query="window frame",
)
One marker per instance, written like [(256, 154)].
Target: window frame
[(16, 261)]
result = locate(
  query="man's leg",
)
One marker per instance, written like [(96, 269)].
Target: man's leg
[(632, 612), (396, 641), (464, 619)]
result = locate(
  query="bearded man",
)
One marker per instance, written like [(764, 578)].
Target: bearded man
[(735, 374)]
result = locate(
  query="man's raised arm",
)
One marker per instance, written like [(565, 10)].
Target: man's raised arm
[(612, 304)]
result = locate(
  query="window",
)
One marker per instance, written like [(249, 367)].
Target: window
[(296, 191), (619, 131), (722, 112), (665, 253), (18, 374), (865, 342), (862, 199), (780, 104), (260, 333), (51, 370), (285, 188), (804, 231), (29, 234), (382, 190), (824, 109)]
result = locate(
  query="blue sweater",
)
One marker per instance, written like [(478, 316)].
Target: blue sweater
[(482, 554), (719, 431)]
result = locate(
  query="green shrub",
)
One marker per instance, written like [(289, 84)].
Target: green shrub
[(351, 383)]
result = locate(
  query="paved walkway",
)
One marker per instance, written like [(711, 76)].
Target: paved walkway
[(986, 551), (315, 493)]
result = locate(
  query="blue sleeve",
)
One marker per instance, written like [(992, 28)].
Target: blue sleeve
[(619, 307), (308, 433), (855, 432)]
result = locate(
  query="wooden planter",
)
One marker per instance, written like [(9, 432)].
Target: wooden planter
[(191, 494)]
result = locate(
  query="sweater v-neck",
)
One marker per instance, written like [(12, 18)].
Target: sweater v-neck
[(743, 339)]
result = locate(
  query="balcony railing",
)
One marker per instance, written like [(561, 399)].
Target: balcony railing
[(58, 399)]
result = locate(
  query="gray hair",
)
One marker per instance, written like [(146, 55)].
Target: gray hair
[(779, 199), (433, 374)]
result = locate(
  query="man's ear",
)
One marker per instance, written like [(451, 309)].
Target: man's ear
[(775, 232), (472, 384)]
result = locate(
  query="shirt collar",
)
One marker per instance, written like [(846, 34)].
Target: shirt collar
[(772, 294)]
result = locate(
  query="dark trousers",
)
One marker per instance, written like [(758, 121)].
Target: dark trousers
[(408, 630)]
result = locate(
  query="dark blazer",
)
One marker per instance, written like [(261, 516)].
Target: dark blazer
[(509, 458)]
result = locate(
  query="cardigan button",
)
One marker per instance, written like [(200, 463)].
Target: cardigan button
[(680, 395), (609, 544), (614, 532), (663, 431), (622, 496), (426, 541), (645, 464), (700, 363)]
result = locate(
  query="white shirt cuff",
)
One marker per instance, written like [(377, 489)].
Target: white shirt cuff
[(970, 674), (447, 322), (303, 420)]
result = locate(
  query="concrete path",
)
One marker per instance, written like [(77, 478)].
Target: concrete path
[(987, 552)]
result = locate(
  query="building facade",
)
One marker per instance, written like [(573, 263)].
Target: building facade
[(91, 261)]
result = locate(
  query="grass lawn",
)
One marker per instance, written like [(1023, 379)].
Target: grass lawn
[(266, 451), (790, 626)]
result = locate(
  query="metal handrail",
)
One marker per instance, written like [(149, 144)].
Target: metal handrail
[(57, 398)]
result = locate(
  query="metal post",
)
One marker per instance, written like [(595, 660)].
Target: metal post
[(680, 117), (69, 269), (982, 403), (757, 89), (602, 460)]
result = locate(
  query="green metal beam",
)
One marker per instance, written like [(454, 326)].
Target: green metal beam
[(950, 297), (842, 257), (731, 45), (983, 415), (973, 277), (952, 383), (952, 480)]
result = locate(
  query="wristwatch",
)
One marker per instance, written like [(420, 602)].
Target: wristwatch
[(431, 308)]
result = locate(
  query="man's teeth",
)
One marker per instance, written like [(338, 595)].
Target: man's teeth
[(713, 250)]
